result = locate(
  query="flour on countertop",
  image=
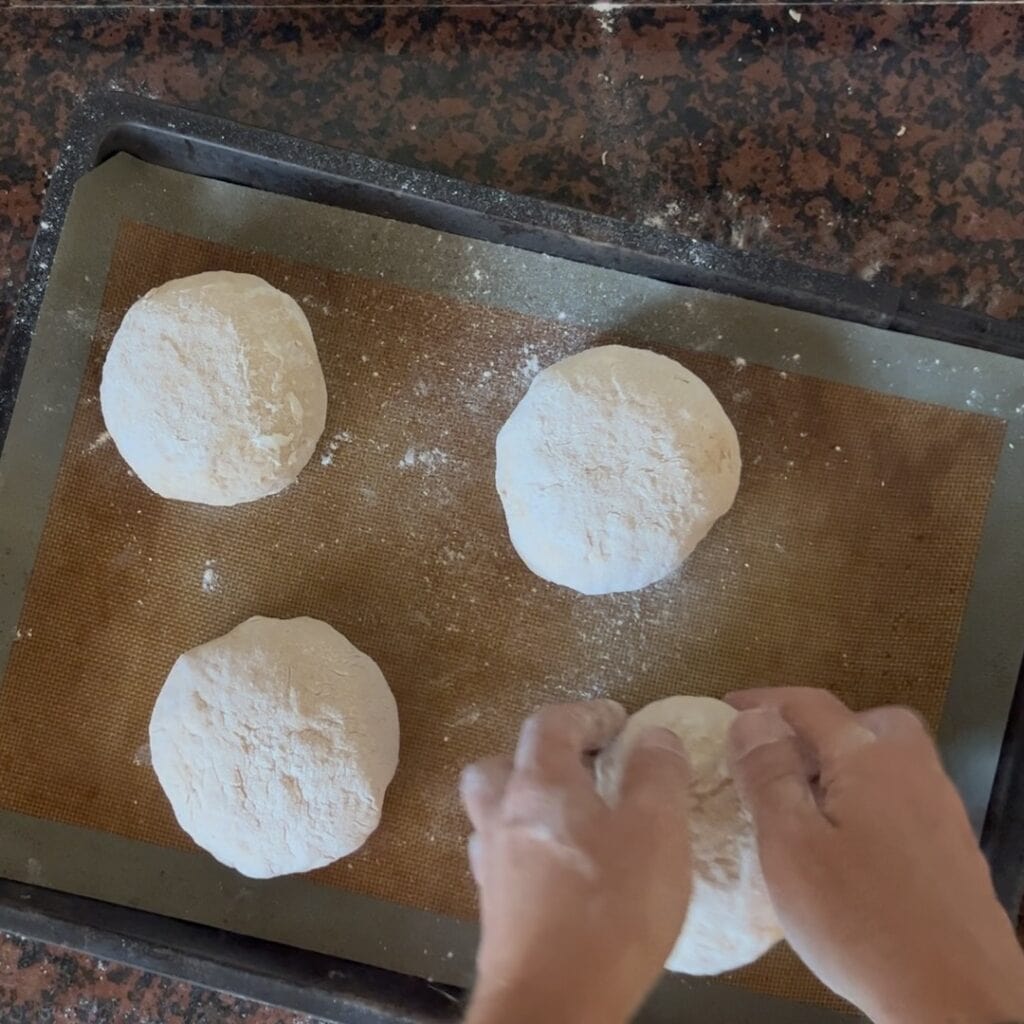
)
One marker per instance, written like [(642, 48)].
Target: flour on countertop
[(661, 220), (606, 14)]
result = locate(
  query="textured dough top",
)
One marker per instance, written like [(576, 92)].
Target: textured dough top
[(702, 723), (613, 468), (275, 744), (730, 921), (212, 389)]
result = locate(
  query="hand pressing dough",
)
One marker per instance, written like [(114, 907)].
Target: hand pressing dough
[(613, 468), (275, 744), (730, 921), (212, 389)]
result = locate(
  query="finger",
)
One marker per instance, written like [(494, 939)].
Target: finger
[(656, 776), (553, 741), (895, 723), (482, 787), (475, 852), (904, 732), (818, 717), (769, 770)]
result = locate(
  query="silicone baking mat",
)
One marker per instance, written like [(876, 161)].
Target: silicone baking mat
[(847, 561)]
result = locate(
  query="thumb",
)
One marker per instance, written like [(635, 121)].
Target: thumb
[(769, 770), (656, 776)]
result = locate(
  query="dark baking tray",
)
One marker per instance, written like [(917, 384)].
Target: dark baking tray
[(198, 144)]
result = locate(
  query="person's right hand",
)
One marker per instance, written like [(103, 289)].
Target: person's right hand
[(871, 862)]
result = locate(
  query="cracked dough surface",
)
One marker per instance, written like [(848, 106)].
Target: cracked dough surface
[(275, 744)]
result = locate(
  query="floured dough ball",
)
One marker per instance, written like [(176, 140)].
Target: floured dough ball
[(613, 468), (212, 389), (275, 744), (730, 921)]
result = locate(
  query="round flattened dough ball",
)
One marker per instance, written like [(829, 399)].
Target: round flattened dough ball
[(275, 744), (212, 389), (730, 921), (613, 468)]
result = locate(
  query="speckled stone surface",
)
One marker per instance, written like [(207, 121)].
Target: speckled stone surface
[(42, 984), (881, 141)]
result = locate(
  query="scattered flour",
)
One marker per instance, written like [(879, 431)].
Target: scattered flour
[(671, 212), (211, 579), (340, 438), (100, 441), (429, 459), (530, 366), (605, 12)]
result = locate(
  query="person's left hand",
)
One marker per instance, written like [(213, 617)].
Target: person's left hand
[(580, 902)]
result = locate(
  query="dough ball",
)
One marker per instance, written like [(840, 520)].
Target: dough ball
[(275, 744), (730, 921), (212, 389), (613, 468)]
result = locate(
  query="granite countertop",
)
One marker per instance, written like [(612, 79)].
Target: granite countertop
[(40, 984), (885, 142)]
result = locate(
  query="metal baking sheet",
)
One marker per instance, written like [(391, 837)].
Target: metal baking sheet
[(882, 362)]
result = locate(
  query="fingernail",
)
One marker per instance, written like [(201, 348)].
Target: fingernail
[(470, 778), (657, 737), (756, 728)]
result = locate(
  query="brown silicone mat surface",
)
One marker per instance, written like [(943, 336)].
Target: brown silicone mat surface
[(845, 562)]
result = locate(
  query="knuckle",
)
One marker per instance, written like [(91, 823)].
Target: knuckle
[(536, 725), (908, 719), (554, 720), (823, 699), (765, 766), (471, 778)]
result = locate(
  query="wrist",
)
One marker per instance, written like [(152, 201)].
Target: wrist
[(973, 974), (986, 998)]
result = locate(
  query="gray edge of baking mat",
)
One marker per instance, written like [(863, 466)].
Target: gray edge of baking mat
[(197, 888), (923, 369)]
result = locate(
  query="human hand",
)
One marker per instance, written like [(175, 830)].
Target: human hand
[(871, 862), (580, 903)]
